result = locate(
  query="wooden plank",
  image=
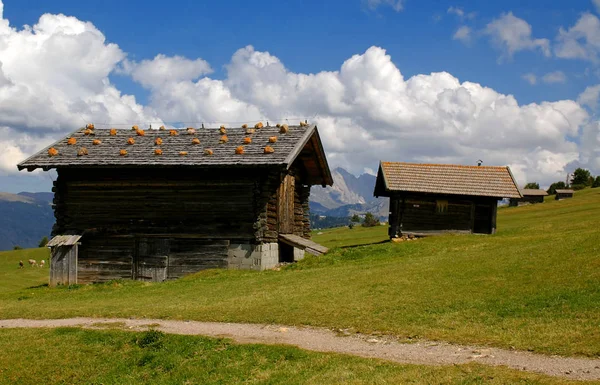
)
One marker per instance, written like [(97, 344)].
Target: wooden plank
[(303, 243), (285, 209)]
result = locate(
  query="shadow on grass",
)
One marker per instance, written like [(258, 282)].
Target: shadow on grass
[(38, 286), (365, 244)]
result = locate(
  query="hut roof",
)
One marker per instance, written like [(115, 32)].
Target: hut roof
[(489, 181), (564, 191), (103, 147), (533, 192), (64, 240)]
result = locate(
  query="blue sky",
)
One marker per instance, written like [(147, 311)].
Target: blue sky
[(309, 37)]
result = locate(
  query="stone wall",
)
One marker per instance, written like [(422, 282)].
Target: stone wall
[(253, 257)]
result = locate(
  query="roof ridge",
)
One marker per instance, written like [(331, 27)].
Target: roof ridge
[(443, 165)]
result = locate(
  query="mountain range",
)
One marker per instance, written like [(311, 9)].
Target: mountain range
[(27, 217), (349, 195)]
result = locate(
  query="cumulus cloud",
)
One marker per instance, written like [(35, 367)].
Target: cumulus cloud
[(581, 41), (366, 110), (512, 34), (396, 5), (463, 34), (53, 79), (590, 96), (163, 69), (530, 78), (597, 5), (554, 77)]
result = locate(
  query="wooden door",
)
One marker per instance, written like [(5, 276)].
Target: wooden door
[(483, 219), (151, 259), (285, 205)]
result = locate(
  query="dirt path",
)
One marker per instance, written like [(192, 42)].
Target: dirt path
[(324, 340)]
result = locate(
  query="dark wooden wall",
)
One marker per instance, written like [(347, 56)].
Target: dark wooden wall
[(418, 213), (155, 224), (528, 198)]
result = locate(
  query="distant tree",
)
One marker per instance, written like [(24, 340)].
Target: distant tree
[(596, 182), (532, 185), (577, 187), (370, 220), (17, 247), (351, 225), (43, 242), (556, 186), (355, 218), (581, 176)]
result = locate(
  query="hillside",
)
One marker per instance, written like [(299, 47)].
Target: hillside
[(24, 219), (535, 285)]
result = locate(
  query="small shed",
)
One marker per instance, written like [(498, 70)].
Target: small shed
[(158, 204), (436, 198), (63, 259), (563, 194), (529, 196)]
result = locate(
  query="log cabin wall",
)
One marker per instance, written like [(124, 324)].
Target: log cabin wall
[(424, 213), (162, 223)]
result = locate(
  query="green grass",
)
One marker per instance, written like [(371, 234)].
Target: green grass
[(76, 356), (533, 286), (345, 237), (12, 278)]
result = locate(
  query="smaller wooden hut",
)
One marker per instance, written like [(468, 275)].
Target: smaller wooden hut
[(563, 194), (529, 196), (436, 198)]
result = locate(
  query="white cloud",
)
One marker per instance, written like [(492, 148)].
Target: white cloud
[(463, 34), (554, 77), (396, 5), (366, 110), (590, 96), (54, 79), (531, 78), (460, 13), (597, 5), (163, 69), (512, 34), (581, 41)]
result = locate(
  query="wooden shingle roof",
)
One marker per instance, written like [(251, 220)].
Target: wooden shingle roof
[(180, 150), (567, 191), (533, 192), (447, 179)]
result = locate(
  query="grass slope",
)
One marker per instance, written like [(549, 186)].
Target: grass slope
[(13, 279), (533, 286), (118, 357)]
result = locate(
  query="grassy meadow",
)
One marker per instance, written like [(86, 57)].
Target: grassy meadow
[(77, 356), (533, 286), (12, 278)]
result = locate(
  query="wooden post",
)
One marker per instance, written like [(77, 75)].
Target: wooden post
[(473, 204), (494, 213)]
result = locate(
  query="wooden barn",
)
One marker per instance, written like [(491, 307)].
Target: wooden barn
[(159, 204), (435, 198), (563, 194), (529, 196)]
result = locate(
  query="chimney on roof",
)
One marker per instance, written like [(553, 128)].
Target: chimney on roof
[(479, 162)]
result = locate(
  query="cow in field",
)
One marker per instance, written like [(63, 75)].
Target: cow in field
[(21, 264), (32, 263), (42, 263)]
